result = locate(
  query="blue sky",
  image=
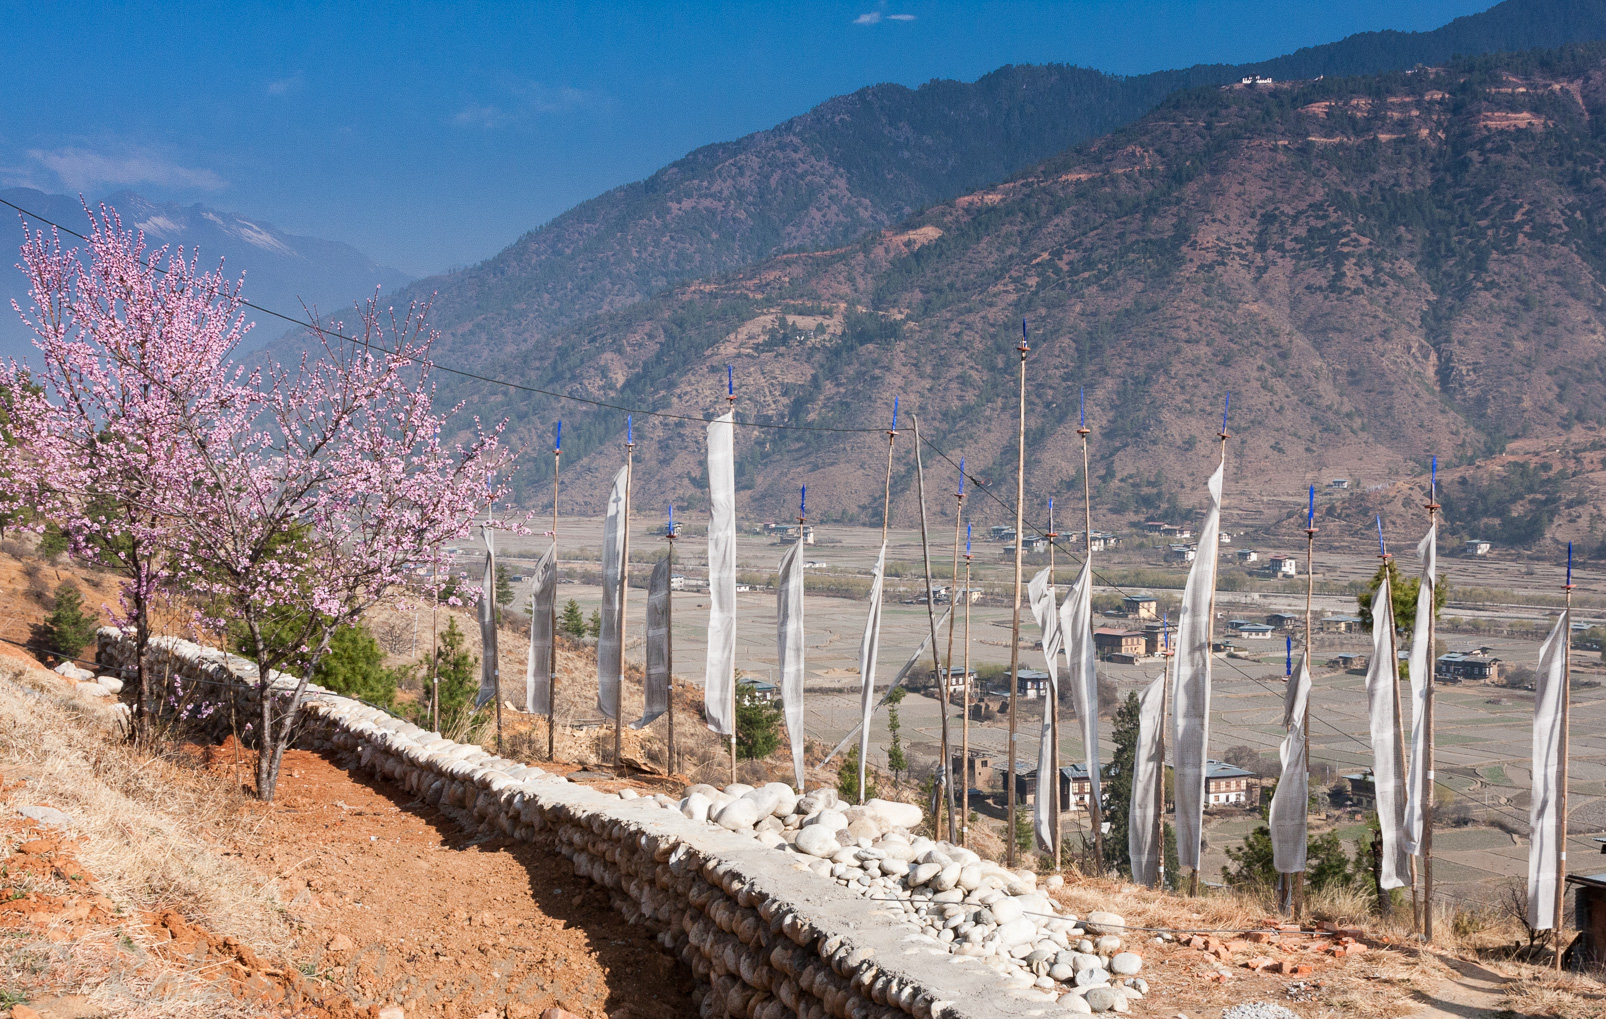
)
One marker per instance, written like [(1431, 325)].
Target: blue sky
[(431, 135)]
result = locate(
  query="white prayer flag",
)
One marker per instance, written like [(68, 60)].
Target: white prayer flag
[(655, 682), (1291, 802), (719, 679), (538, 667), (1147, 765), (789, 652), (1421, 664), (613, 576), (1546, 839), (1383, 703), (487, 615), (1191, 714), (1076, 636), (869, 648), (1040, 592)]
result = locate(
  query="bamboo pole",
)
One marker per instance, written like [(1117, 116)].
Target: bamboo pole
[(931, 622), (624, 593), (434, 648), (1014, 633), (1566, 733), (552, 666), (1095, 809), (886, 515), (964, 827), (945, 682), (496, 666), (1428, 797), (1210, 619)]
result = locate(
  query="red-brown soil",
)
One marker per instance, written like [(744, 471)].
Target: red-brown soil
[(400, 906)]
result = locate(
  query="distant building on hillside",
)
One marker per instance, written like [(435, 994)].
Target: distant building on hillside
[(1475, 546), (1476, 665), (1109, 642), (1248, 555), (1338, 483), (1282, 566), (1140, 606)]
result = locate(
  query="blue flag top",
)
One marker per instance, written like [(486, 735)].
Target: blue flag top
[(1081, 405), (670, 530), (1288, 651), (1569, 564), (557, 440), (967, 539), (802, 503), (1165, 628), (1310, 511), (630, 429), (730, 380), (1433, 478), (961, 477), (894, 413), (1225, 407)]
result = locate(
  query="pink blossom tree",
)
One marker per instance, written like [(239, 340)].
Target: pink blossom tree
[(324, 493), (132, 344)]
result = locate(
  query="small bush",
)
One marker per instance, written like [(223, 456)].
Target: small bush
[(68, 629)]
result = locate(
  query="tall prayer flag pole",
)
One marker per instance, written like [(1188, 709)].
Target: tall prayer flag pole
[(871, 645), (1210, 617), (1310, 587), (669, 536), (624, 592), (1561, 783), (964, 826), (1159, 779), (947, 678), (1095, 808), (1014, 633), (1428, 797), (931, 620), (730, 400), (552, 671), (1051, 703)]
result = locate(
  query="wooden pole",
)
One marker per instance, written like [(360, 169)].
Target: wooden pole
[(669, 642), (964, 825), (931, 621), (496, 666), (730, 400), (946, 680), (552, 668), (1399, 719), (624, 592), (886, 511), (1014, 633), (1427, 718), (1051, 704), (1566, 726), (1210, 619), (434, 649), (1095, 809), (1159, 779), (1298, 897)]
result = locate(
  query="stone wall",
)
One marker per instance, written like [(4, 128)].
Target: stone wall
[(766, 937)]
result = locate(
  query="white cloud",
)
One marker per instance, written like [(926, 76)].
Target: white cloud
[(871, 18), (523, 99), (81, 169), (285, 86), (900, 17)]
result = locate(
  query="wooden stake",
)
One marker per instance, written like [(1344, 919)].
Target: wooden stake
[(669, 642), (1159, 779), (552, 669), (434, 649), (1014, 633), (730, 399), (1095, 809), (931, 621), (1384, 898)]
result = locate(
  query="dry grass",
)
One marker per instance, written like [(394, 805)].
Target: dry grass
[(149, 823), (1538, 990)]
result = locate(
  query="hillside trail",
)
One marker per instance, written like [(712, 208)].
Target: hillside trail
[(401, 906), (1470, 992)]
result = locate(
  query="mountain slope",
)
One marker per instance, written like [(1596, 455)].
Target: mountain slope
[(864, 161), (1378, 269), (282, 270)]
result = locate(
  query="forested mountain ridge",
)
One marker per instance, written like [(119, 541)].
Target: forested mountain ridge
[(864, 161), (1378, 269)]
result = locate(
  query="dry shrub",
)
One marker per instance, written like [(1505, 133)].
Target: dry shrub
[(148, 822), (1539, 990)]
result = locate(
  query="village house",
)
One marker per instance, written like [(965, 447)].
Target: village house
[(980, 772), (1338, 483), (766, 692), (1154, 636), (1351, 662), (956, 681), (1110, 643), (1340, 624), (1001, 532), (1227, 786), (1182, 553), (1465, 665), (1102, 540), (1251, 631), (1362, 789), (1475, 546), (1074, 788), (1284, 620), (1282, 566), (1032, 684), (1140, 606), (1248, 555)]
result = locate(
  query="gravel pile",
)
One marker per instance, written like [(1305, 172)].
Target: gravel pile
[(947, 895), (1258, 1010)]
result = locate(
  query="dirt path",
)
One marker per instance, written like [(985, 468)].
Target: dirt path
[(401, 907), (1473, 992)]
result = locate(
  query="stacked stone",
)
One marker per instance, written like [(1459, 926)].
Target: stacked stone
[(759, 891)]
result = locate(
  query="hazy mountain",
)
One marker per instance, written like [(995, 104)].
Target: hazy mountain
[(867, 160), (281, 270), (1378, 269)]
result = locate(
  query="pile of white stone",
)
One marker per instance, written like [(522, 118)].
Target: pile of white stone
[(86, 684), (948, 895)]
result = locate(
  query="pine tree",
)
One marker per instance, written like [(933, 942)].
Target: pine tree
[(458, 672), (572, 622), (1117, 786), (757, 725), (354, 666), (847, 777), (68, 629), (594, 624), (897, 760), (504, 591)]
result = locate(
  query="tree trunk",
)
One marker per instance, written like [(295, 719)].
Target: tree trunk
[(1385, 901)]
